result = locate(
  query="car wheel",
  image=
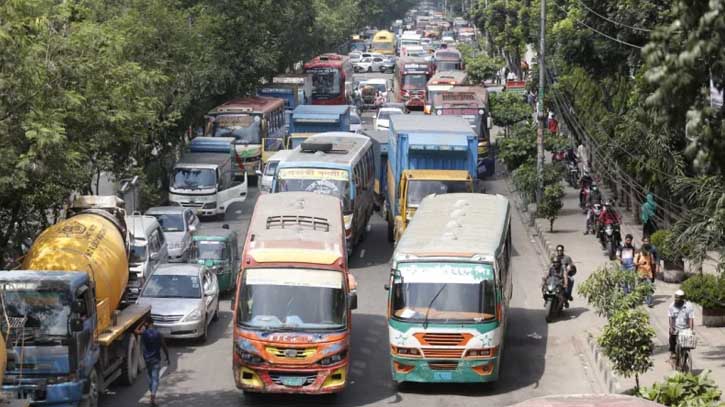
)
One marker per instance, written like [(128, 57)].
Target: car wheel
[(204, 336), (216, 313), (370, 69)]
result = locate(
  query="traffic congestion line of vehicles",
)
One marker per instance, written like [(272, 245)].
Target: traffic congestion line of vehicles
[(90, 280)]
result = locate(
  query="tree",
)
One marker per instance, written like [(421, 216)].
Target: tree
[(508, 109), (519, 148), (603, 290), (627, 341), (482, 67), (551, 204)]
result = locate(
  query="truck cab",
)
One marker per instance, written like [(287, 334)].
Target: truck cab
[(308, 120), (203, 178), (417, 184)]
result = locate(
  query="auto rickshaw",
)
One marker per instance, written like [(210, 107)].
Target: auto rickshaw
[(218, 250)]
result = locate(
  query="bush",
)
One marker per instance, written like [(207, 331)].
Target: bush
[(684, 390), (515, 151), (508, 109), (627, 341), (603, 290), (707, 290), (551, 204), (661, 240), (524, 179), (554, 142)]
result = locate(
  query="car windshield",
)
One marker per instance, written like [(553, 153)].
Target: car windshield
[(47, 311), (448, 66), (273, 144), (325, 83), (210, 250), (172, 286), (320, 180), (244, 128), (415, 81), (170, 222), (385, 114), (193, 178), (138, 254), (270, 168), (444, 292), (417, 190), (292, 299)]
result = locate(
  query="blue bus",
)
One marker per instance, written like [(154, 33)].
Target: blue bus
[(341, 164)]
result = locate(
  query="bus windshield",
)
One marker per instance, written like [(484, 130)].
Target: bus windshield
[(448, 65), (417, 190), (244, 128), (415, 81), (443, 292), (313, 299), (325, 83), (321, 180), (193, 178)]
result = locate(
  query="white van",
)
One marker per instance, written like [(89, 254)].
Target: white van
[(270, 170), (203, 179), (148, 250)]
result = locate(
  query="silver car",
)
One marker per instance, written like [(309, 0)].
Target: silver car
[(178, 224), (184, 300)]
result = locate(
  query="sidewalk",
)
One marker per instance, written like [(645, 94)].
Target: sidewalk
[(587, 255)]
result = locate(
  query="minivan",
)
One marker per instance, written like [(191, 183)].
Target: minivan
[(148, 250)]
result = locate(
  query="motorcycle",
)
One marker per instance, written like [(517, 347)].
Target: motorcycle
[(572, 174), (585, 191), (610, 239), (554, 298), (593, 219)]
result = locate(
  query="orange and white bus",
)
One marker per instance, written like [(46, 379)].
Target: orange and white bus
[(292, 311), (443, 81)]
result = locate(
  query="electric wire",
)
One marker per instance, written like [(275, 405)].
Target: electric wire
[(613, 21), (629, 44)]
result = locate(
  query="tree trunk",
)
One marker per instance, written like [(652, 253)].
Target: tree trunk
[(551, 225)]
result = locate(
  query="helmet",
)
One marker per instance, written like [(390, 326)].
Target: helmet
[(679, 294), (608, 202)]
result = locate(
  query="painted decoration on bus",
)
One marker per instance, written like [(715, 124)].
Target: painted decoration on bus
[(433, 272), (460, 112), (313, 174)]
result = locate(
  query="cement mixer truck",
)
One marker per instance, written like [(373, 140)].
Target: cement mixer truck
[(69, 335)]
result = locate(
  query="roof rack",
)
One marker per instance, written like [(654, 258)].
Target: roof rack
[(305, 222)]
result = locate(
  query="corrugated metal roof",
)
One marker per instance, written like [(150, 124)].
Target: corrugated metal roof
[(352, 144), (320, 109), (466, 224)]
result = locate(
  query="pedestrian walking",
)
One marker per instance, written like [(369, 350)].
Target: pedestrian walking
[(152, 343), (647, 215), (626, 254), (644, 265), (583, 156)]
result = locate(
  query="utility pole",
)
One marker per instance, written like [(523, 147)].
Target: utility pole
[(541, 114)]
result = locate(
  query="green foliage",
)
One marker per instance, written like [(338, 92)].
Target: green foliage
[(518, 148), (508, 109), (482, 67), (627, 341), (662, 240), (524, 179), (556, 142), (603, 290), (684, 390), (706, 289), (551, 204)]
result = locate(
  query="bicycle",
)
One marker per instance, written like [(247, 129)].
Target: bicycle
[(686, 341)]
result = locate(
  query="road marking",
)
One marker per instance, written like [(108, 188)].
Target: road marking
[(362, 253)]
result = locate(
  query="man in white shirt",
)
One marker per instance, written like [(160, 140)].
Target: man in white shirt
[(682, 316)]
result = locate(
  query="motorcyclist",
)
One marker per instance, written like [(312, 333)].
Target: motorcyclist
[(585, 184), (608, 216), (682, 316), (569, 268), (592, 215), (557, 269)]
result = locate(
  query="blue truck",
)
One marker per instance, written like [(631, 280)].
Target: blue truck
[(426, 155), (292, 94), (308, 120)]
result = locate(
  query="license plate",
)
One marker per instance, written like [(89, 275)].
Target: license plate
[(442, 376), (293, 381)]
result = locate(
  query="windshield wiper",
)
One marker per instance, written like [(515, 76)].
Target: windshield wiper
[(427, 312)]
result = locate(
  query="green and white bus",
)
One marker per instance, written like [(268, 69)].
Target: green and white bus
[(449, 291)]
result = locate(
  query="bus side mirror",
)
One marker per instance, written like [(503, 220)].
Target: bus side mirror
[(353, 300), (489, 123), (76, 325)]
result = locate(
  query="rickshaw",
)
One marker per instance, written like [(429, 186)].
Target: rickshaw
[(218, 250)]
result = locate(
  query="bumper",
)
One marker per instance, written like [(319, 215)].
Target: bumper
[(291, 381), (40, 394), (444, 371), (181, 330), (415, 102)]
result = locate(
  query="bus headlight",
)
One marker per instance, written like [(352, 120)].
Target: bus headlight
[(481, 111), (331, 360), (414, 352), (247, 357), (348, 221), (439, 112)]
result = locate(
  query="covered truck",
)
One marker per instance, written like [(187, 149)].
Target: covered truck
[(69, 334), (308, 120), (437, 144)]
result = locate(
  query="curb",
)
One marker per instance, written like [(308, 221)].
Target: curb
[(601, 363)]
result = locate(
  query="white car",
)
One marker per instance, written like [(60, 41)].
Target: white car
[(355, 56), (382, 120), (178, 224), (370, 64), (355, 122), (270, 170)]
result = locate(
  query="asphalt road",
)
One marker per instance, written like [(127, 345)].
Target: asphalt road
[(538, 359)]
